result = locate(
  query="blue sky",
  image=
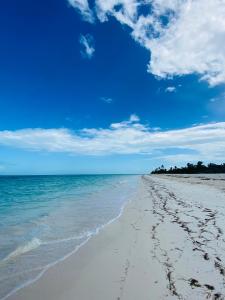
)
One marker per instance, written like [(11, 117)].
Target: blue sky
[(71, 66)]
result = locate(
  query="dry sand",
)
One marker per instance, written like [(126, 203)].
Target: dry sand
[(168, 244)]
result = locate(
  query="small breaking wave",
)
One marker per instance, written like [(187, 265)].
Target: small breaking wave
[(73, 238), (46, 238), (31, 245)]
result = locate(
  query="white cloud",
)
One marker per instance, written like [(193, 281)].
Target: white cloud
[(156, 128), (83, 7), (170, 89), (107, 100), (193, 42), (190, 40), (124, 11), (87, 44), (134, 118), (127, 137)]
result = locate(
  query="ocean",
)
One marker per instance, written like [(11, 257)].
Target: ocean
[(44, 219)]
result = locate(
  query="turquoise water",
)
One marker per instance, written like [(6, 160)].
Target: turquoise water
[(43, 219)]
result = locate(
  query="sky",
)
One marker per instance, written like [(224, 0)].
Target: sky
[(110, 86)]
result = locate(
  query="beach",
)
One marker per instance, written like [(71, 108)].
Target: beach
[(168, 243)]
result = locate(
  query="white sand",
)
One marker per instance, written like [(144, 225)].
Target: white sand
[(168, 244)]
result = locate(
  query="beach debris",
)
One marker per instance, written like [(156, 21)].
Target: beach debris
[(200, 225), (217, 296), (220, 268), (209, 287), (206, 256), (194, 283)]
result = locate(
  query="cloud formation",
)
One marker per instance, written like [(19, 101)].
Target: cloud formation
[(107, 100), (82, 6), (127, 137), (170, 89), (183, 36), (87, 44)]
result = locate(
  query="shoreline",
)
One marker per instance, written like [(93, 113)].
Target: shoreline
[(139, 254), (90, 236)]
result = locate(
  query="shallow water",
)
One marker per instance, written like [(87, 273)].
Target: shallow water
[(45, 218)]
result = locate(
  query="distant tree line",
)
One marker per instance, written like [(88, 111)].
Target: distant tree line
[(191, 169)]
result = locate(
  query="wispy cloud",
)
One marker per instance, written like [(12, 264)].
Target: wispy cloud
[(216, 106), (134, 118), (190, 40), (107, 100), (170, 89), (127, 137), (82, 6), (87, 45)]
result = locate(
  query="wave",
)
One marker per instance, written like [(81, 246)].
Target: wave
[(35, 243), (31, 245), (77, 237), (89, 235)]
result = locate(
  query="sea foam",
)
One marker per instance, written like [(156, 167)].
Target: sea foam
[(31, 245), (55, 215)]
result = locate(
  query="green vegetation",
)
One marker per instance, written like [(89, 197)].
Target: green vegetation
[(192, 169)]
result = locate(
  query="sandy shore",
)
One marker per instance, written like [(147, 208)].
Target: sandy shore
[(168, 244)]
